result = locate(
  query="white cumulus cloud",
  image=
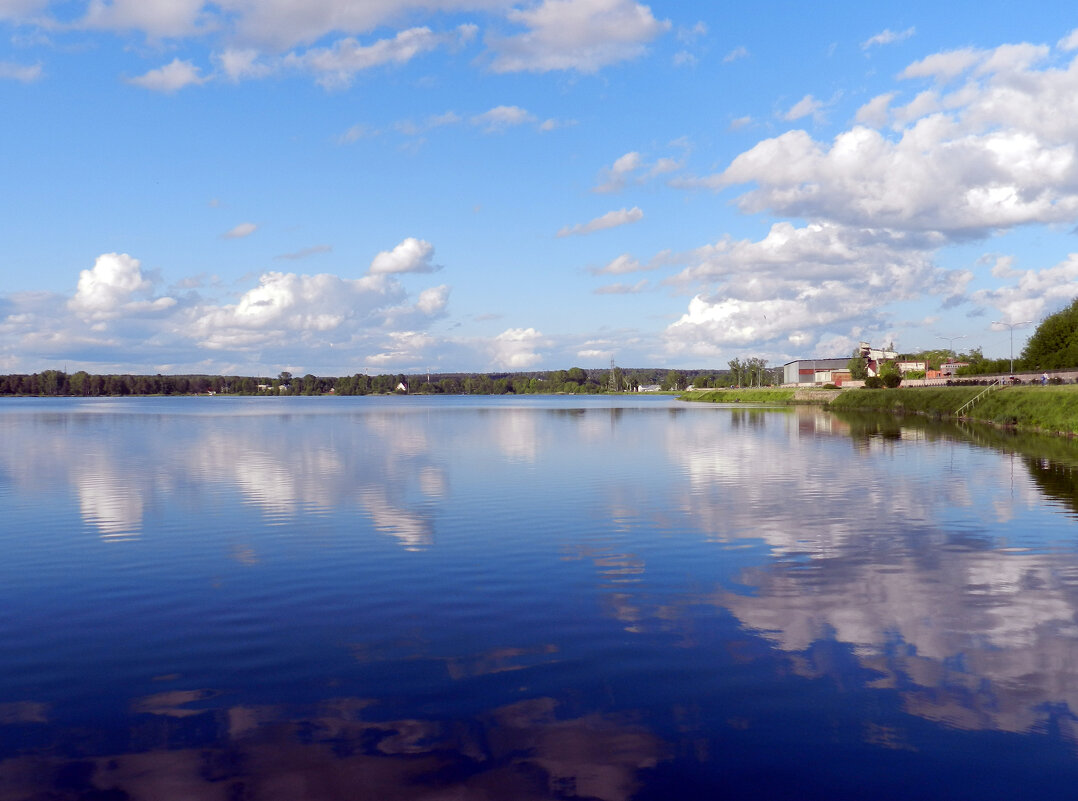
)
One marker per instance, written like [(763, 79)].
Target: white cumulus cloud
[(517, 348), (983, 157), (287, 305), (410, 256), (1033, 293), (115, 286), (800, 283)]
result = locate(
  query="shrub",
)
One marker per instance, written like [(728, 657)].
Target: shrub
[(829, 386), (891, 380), (873, 382)]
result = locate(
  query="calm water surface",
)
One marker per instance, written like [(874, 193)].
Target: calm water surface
[(499, 598)]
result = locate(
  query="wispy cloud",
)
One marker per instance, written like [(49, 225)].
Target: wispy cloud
[(355, 133), (584, 36), (24, 73), (304, 253), (242, 230), (802, 108), (735, 54), (623, 289), (170, 78), (886, 37), (612, 219), (501, 118)]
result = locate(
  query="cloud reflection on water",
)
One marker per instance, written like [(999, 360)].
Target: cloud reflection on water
[(969, 629), (863, 534), (335, 751)]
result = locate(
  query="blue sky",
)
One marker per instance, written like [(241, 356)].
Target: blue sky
[(335, 186)]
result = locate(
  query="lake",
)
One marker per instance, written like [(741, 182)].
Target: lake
[(530, 598)]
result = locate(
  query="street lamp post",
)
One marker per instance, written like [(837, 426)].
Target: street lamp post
[(950, 341), (1012, 327)]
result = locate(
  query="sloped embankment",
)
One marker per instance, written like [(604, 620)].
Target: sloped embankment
[(1052, 408), (772, 395)]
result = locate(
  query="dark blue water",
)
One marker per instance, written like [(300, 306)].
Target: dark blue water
[(598, 598)]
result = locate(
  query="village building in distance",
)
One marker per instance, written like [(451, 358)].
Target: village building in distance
[(837, 371)]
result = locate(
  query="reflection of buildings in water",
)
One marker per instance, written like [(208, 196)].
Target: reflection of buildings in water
[(813, 421), (522, 751)]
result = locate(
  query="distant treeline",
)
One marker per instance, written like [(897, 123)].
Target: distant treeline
[(574, 380)]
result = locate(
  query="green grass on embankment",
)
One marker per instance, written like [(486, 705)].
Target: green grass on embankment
[(1051, 408), (759, 395)]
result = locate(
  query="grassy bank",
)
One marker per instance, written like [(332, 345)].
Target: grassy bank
[(761, 395), (1052, 408)]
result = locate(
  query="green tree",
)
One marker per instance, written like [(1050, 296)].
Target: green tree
[(1054, 343), (857, 367), (674, 380)]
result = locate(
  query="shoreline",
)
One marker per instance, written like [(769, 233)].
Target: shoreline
[(1051, 409)]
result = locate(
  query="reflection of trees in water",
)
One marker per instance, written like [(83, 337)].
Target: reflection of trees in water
[(1057, 480), (1051, 461)]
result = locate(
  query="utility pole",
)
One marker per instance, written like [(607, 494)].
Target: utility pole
[(612, 384), (1012, 327)]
